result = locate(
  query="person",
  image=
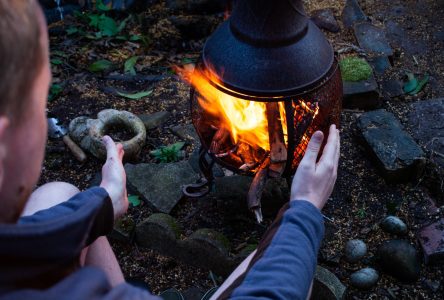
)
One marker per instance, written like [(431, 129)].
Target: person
[(52, 240)]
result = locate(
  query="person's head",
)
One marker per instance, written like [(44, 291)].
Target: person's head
[(24, 82)]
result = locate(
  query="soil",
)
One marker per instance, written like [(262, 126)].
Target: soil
[(361, 197)]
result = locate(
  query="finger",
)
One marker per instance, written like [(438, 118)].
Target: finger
[(338, 152), (111, 149), (330, 149), (312, 151), (120, 151)]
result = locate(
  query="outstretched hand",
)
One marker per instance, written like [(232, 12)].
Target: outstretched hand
[(313, 181), (114, 177)]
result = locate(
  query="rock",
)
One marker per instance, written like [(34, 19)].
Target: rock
[(231, 192), (88, 133), (187, 133), (361, 94), (123, 230), (160, 184), (325, 19), (194, 27), (209, 249), (206, 6), (364, 278), (154, 120), (394, 225), (355, 250), (399, 259), (432, 284), (372, 39), (397, 155), (431, 238), (392, 88), (352, 13), (380, 64), (400, 37), (326, 285), (159, 232)]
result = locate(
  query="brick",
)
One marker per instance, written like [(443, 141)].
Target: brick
[(431, 239)]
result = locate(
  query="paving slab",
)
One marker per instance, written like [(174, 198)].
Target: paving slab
[(372, 39), (380, 64), (352, 13), (361, 94), (396, 154), (431, 239)]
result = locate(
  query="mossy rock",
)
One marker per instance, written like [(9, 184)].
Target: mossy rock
[(355, 69), (213, 237)]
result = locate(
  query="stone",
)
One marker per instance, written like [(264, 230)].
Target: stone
[(399, 259), (231, 192), (372, 39), (159, 232), (361, 94), (431, 238), (355, 250), (364, 278), (209, 249), (396, 154), (154, 120), (327, 286), (123, 229), (392, 88), (325, 19), (160, 184), (88, 133), (352, 13), (194, 27), (394, 225), (379, 64), (187, 133), (400, 37)]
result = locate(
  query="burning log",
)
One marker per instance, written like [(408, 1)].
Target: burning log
[(257, 188), (278, 151)]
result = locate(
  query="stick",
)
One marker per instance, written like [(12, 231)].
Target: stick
[(256, 189), (219, 139), (278, 152)]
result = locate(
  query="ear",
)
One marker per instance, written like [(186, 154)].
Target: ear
[(4, 125)]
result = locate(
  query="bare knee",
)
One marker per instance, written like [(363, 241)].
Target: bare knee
[(49, 195)]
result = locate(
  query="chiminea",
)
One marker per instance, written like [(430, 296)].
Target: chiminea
[(267, 79)]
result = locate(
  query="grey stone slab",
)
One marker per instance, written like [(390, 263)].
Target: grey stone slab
[(154, 120), (361, 94), (426, 120), (160, 185), (380, 64), (398, 36), (372, 39), (327, 286), (187, 133), (431, 239), (392, 88), (397, 155), (352, 13)]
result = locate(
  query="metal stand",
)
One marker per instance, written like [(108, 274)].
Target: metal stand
[(205, 183)]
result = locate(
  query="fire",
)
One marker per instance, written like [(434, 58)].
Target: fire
[(245, 120)]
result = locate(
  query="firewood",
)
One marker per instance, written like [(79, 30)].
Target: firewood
[(278, 151), (256, 189), (220, 140)]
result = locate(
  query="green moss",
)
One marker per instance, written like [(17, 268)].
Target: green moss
[(355, 69), (167, 221), (214, 235)]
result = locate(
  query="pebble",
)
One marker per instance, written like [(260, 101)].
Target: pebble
[(364, 278), (355, 250), (394, 225)]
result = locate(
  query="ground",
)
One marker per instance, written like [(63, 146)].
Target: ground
[(361, 197)]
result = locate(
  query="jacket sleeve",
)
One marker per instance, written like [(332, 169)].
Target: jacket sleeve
[(81, 220), (286, 269)]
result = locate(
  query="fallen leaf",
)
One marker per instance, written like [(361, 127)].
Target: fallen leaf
[(129, 65), (411, 84), (420, 85), (100, 66), (134, 200), (135, 96)]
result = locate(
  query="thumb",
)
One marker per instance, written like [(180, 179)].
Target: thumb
[(111, 149), (313, 147)]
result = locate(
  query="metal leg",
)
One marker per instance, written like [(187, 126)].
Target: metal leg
[(204, 185)]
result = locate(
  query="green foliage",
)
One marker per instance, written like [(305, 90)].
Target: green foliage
[(134, 200), (56, 61), (135, 96), (54, 91), (362, 213), (355, 69), (72, 30), (129, 65), (413, 86), (100, 66), (100, 6), (170, 153)]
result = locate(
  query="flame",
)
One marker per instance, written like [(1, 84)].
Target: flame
[(245, 120)]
